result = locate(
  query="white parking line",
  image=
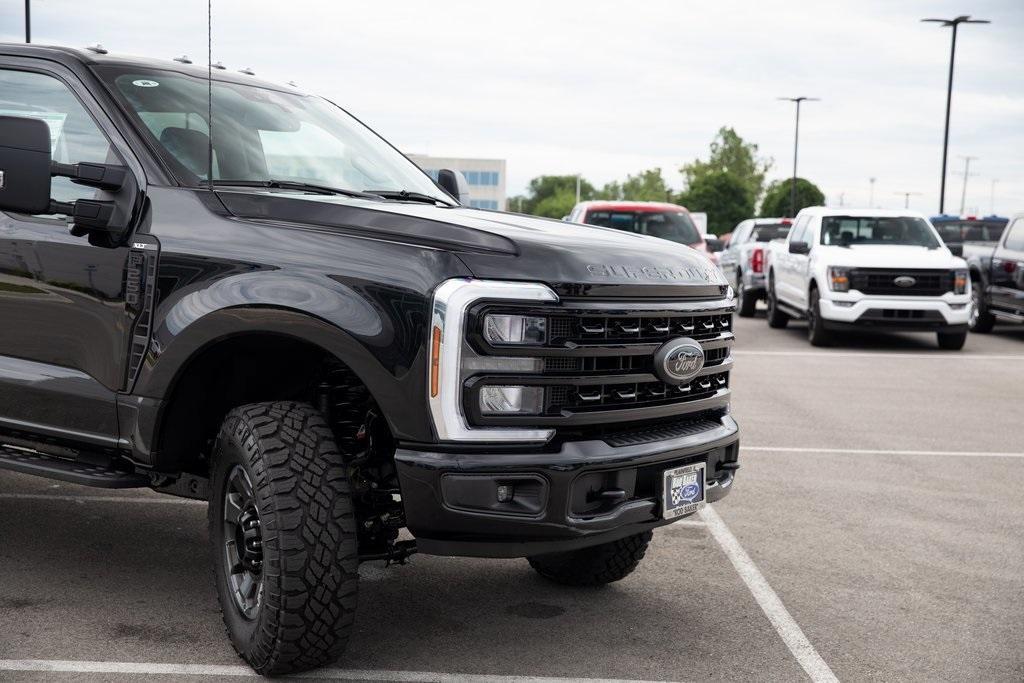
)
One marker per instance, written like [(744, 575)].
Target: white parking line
[(772, 607), (937, 355), (71, 666), (868, 451)]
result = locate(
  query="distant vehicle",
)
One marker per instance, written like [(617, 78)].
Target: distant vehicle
[(957, 230), (846, 269), (743, 261), (997, 278), (658, 219)]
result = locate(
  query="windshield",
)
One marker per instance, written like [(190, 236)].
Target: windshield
[(901, 230), (954, 232), (260, 134), (767, 233), (674, 226)]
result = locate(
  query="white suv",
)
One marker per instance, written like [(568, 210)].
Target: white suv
[(845, 269)]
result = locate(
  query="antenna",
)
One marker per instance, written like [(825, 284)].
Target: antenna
[(209, 92)]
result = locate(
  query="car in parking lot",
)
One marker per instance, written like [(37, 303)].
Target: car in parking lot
[(843, 269), (997, 278), (657, 219), (743, 260)]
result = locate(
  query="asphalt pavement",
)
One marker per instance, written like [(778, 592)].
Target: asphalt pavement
[(875, 532)]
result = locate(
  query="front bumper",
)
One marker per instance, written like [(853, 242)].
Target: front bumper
[(451, 505), (950, 312)]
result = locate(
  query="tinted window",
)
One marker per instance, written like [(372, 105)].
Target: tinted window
[(970, 231), (899, 230), (767, 233), (1015, 240), (74, 136), (674, 226)]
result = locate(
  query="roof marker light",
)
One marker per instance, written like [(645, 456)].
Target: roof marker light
[(97, 48), (218, 65), (183, 59), (247, 71)]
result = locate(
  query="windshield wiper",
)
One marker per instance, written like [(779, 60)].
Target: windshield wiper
[(296, 185), (408, 196)]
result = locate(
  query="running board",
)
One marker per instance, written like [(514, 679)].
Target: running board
[(52, 467), (1006, 315), (791, 311)]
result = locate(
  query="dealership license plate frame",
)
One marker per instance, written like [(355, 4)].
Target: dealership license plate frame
[(681, 478)]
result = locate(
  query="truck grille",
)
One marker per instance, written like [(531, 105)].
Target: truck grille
[(597, 363), (883, 282)]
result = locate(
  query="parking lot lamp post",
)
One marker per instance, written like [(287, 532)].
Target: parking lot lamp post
[(954, 23), (992, 197), (796, 147), (28, 21), (871, 196)]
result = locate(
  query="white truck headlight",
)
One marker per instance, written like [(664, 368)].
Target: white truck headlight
[(960, 279), (839, 279)]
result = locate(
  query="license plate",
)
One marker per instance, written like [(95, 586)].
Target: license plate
[(682, 490)]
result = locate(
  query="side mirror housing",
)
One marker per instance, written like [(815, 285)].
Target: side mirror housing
[(799, 248), (956, 249), (24, 165), (715, 245), (454, 183)]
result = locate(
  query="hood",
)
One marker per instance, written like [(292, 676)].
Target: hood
[(575, 260), (890, 256)]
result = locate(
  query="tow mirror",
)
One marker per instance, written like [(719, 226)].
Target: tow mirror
[(24, 165), (956, 249), (26, 169), (799, 248), (454, 183)]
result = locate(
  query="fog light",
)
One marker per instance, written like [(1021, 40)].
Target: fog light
[(515, 329), (505, 493), (511, 400)]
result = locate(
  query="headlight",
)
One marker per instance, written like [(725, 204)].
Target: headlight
[(511, 400), (960, 280), (839, 279), (452, 360), (515, 329)]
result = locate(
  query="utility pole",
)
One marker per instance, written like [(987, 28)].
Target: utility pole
[(28, 21), (577, 188), (871, 197), (796, 146), (967, 172), (906, 198), (954, 23), (992, 197)]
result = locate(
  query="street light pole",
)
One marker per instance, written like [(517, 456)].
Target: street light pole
[(954, 23), (967, 172), (796, 147), (871, 197), (906, 198), (28, 21), (992, 197)]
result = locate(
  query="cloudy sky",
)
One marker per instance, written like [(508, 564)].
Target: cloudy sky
[(606, 88)]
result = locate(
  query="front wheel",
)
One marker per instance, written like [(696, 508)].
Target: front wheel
[(817, 335), (981, 320), (952, 341), (283, 535), (776, 318), (596, 565)]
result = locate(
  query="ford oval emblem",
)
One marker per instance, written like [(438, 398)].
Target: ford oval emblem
[(904, 281), (679, 360)]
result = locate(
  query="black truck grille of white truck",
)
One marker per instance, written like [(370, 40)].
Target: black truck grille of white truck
[(597, 363), (895, 282)]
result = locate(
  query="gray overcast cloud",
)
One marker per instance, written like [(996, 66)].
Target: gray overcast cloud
[(609, 88)]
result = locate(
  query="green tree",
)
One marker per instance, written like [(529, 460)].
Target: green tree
[(777, 198), (646, 186), (552, 195), (723, 196), (731, 154)]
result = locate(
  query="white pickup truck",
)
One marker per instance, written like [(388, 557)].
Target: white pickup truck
[(843, 269)]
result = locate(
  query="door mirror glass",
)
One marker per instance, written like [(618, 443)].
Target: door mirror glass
[(956, 249), (454, 183), (715, 245), (24, 165), (799, 248)]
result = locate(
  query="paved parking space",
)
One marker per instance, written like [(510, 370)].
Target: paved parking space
[(890, 565)]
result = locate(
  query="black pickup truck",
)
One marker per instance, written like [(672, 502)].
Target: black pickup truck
[(997, 277), (276, 311)]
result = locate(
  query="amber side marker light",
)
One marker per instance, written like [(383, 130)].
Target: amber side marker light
[(435, 360)]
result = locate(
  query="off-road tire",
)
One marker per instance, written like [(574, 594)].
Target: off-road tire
[(776, 318), (596, 565), (981, 320), (817, 335), (952, 341), (746, 303), (310, 551)]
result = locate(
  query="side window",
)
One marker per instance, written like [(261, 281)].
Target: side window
[(740, 236), (799, 232), (74, 136), (1015, 236)]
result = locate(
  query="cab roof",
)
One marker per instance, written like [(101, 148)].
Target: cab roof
[(638, 207), (859, 213), (72, 57)]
